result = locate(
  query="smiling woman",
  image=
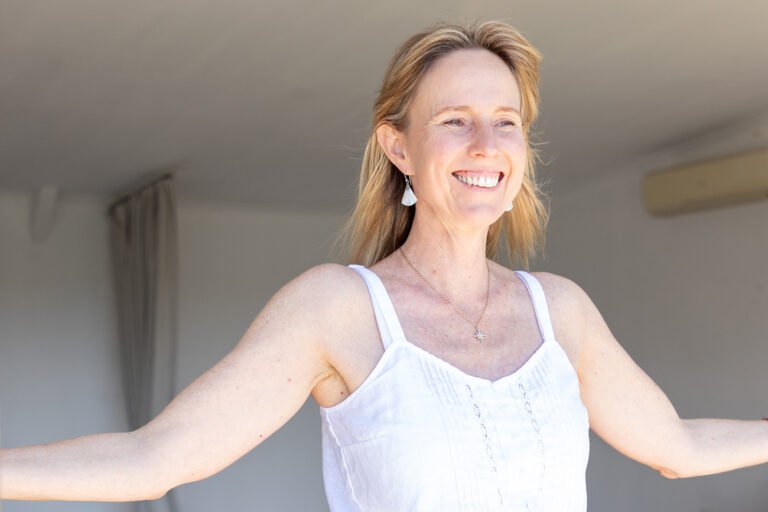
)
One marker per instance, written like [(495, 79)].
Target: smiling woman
[(453, 117), (446, 381)]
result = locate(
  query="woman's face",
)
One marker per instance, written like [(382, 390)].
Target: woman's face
[(463, 124)]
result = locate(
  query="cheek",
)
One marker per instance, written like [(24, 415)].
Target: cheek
[(515, 141), (517, 152), (439, 147), (437, 152)]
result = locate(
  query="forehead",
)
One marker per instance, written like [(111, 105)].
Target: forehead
[(474, 77)]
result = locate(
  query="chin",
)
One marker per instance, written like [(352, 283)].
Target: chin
[(481, 215)]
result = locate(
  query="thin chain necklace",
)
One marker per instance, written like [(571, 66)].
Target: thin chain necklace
[(478, 334)]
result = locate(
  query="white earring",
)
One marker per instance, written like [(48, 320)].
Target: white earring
[(509, 207), (409, 198)]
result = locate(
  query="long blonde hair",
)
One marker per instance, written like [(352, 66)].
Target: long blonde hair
[(379, 223)]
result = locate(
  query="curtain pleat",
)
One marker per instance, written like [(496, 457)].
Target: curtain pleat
[(145, 269)]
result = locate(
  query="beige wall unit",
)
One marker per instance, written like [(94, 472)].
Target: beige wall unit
[(707, 184)]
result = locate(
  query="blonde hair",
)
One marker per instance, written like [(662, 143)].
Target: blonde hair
[(379, 223)]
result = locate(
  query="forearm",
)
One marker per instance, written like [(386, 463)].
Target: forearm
[(719, 445), (99, 467)]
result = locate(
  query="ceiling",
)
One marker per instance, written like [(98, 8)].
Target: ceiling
[(268, 103)]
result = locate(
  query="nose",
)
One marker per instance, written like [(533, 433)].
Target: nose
[(483, 142)]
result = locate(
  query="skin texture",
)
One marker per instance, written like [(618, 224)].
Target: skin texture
[(317, 335)]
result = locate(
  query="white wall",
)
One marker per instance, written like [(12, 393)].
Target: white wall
[(687, 297), (58, 351), (58, 359)]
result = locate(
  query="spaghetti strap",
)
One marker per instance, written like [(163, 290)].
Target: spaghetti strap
[(386, 317), (536, 291)]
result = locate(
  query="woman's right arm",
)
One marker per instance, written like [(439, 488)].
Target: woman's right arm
[(218, 418)]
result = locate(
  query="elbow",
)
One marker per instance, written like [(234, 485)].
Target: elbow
[(156, 474), (164, 472), (681, 461), (157, 494), (673, 471), (157, 486), (670, 473)]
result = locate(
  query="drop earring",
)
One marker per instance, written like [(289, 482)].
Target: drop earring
[(509, 207), (409, 198)]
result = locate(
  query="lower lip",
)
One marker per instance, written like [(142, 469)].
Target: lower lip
[(478, 188)]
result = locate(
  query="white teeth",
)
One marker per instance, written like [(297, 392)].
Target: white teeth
[(483, 181)]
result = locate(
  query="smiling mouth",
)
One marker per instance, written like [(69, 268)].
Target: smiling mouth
[(479, 180)]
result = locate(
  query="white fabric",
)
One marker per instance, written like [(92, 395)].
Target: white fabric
[(421, 435)]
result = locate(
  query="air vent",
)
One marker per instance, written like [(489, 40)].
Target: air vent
[(708, 184)]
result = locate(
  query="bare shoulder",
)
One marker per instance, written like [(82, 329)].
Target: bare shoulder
[(560, 291), (327, 292), (326, 282), (566, 301), (343, 311), (332, 294), (314, 298)]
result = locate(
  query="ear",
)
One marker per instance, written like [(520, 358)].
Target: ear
[(392, 141)]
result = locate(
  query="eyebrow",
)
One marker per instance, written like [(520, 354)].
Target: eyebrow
[(464, 108)]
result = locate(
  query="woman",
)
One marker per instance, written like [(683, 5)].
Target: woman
[(445, 380)]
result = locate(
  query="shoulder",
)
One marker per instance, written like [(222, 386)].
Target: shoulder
[(331, 295), (567, 303), (308, 298), (560, 289), (326, 285), (329, 299), (324, 274)]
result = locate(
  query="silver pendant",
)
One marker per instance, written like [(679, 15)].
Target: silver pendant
[(479, 335)]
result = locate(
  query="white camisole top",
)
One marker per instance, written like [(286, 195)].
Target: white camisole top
[(421, 435)]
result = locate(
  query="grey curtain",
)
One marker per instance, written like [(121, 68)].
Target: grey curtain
[(144, 260)]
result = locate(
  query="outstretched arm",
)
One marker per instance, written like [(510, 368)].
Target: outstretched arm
[(219, 417), (99, 467), (720, 445), (632, 414)]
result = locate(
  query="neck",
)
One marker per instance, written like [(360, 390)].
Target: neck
[(452, 260)]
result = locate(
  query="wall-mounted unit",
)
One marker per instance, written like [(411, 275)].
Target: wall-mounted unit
[(707, 184)]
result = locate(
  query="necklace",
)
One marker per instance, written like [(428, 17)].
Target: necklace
[(478, 334)]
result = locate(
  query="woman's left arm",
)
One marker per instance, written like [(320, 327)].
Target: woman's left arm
[(632, 414)]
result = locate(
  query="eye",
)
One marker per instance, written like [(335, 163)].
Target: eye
[(454, 122), (508, 123)]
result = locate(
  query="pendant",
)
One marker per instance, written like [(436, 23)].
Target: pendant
[(479, 335)]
